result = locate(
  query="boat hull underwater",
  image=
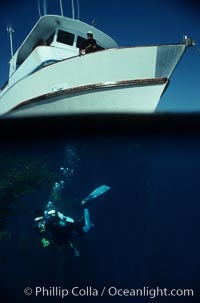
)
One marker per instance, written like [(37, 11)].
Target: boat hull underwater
[(113, 80)]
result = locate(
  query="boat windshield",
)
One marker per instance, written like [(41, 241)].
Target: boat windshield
[(68, 38), (65, 37)]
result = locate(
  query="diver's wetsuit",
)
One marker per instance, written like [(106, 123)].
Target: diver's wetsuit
[(54, 227), (63, 232)]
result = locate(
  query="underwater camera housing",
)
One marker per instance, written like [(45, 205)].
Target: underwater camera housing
[(145, 238)]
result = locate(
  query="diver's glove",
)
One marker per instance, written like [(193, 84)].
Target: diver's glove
[(45, 242)]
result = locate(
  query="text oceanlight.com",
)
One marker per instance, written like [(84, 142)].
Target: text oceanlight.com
[(89, 291)]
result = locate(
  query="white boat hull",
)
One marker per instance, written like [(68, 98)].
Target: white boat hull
[(108, 98), (128, 79)]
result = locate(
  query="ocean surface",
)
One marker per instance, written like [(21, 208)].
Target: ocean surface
[(145, 239)]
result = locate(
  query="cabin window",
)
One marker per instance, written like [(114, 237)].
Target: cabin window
[(82, 41), (65, 37)]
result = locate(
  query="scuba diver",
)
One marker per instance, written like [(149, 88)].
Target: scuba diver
[(54, 227)]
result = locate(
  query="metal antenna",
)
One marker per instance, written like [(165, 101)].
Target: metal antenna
[(45, 6), (10, 30), (94, 23), (72, 9), (78, 7), (39, 9), (61, 8)]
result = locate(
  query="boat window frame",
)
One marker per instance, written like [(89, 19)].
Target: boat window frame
[(64, 31)]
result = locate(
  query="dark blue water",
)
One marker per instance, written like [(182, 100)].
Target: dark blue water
[(146, 232)]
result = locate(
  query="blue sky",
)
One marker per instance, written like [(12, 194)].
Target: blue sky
[(130, 23)]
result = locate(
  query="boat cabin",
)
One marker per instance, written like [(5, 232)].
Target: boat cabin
[(54, 38)]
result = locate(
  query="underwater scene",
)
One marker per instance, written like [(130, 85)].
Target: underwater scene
[(95, 219)]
